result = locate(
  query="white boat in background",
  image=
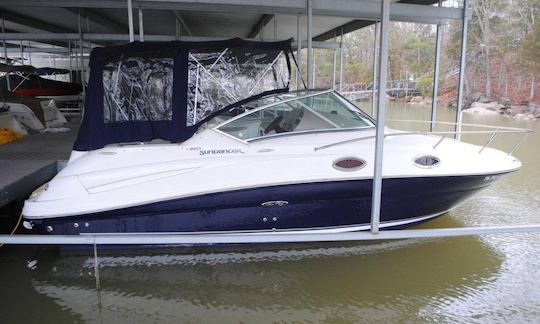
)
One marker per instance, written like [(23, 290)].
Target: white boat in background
[(35, 115), (240, 153), (7, 121)]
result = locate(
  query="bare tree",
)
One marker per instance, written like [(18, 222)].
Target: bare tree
[(483, 10)]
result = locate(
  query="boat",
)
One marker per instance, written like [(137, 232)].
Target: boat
[(206, 137), (7, 121), (27, 81), (33, 114)]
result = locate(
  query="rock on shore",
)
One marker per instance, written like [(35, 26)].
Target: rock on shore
[(420, 100), (479, 104)]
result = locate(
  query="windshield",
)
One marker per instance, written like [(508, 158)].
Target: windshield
[(297, 112)]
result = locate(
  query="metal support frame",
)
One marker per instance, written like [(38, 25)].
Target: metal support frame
[(56, 50), (275, 26), (130, 21), (354, 9), (70, 63), (77, 66), (438, 41), (29, 55), (299, 51), (259, 26), (168, 239), (141, 26), (83, 74), (462, 63), (182, 23), (309, 43), (313, 69), (54, 64), (334, 62), (341, 58), (22, 53), (5, 52), (125, 37), (379, 137), (374, 76)]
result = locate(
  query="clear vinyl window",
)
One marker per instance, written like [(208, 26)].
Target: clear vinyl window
[(138, 89), (219, 79)]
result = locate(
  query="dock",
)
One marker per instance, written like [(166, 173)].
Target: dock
[(31, 161)]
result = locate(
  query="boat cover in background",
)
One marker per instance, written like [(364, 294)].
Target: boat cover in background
[(50, 71), (34, 85), (167, 90)]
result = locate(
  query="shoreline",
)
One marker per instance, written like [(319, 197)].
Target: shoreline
[(478, 104)]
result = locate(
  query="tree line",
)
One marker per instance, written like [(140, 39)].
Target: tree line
[(503, 53)]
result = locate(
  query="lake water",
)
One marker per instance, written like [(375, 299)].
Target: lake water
[(493, 278)]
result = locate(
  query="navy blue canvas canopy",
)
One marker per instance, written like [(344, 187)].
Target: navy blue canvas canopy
[(167, 90)]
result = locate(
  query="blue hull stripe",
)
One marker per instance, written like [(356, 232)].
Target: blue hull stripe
[(309, 205)]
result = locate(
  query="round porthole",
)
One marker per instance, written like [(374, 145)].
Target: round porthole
[(427, 161), (349, 164)]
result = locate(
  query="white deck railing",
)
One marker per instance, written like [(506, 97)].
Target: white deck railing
[(494, 131)]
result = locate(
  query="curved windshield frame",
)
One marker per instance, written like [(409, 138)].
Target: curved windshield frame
[(293, 113)]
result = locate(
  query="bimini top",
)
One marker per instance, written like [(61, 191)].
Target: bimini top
[(167, 90)]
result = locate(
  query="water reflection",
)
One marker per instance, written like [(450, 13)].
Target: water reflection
[(384, 281)]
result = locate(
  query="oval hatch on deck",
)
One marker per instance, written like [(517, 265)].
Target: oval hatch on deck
[(349, 164)]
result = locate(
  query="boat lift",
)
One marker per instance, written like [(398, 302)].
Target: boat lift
[(382, 19)]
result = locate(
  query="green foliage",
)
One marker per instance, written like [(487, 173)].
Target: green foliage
[(425, 84)]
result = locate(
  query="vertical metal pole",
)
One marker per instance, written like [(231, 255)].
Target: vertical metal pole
[(29, 54), (96, 275), (341, 58), (54, 63), (438, 42), (374, 76), (5, 54), (313, 71), (96, 268), (83, 74), (177, 32), (462, 61), (5, 47), (130, 21), (299, 51), (77, 68), (334, 61), (141, 27), (70, 63), (379, 137), (275, 27), (22, 53), (309, 43)]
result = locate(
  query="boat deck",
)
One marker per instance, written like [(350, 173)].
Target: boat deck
[(31, 161)]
